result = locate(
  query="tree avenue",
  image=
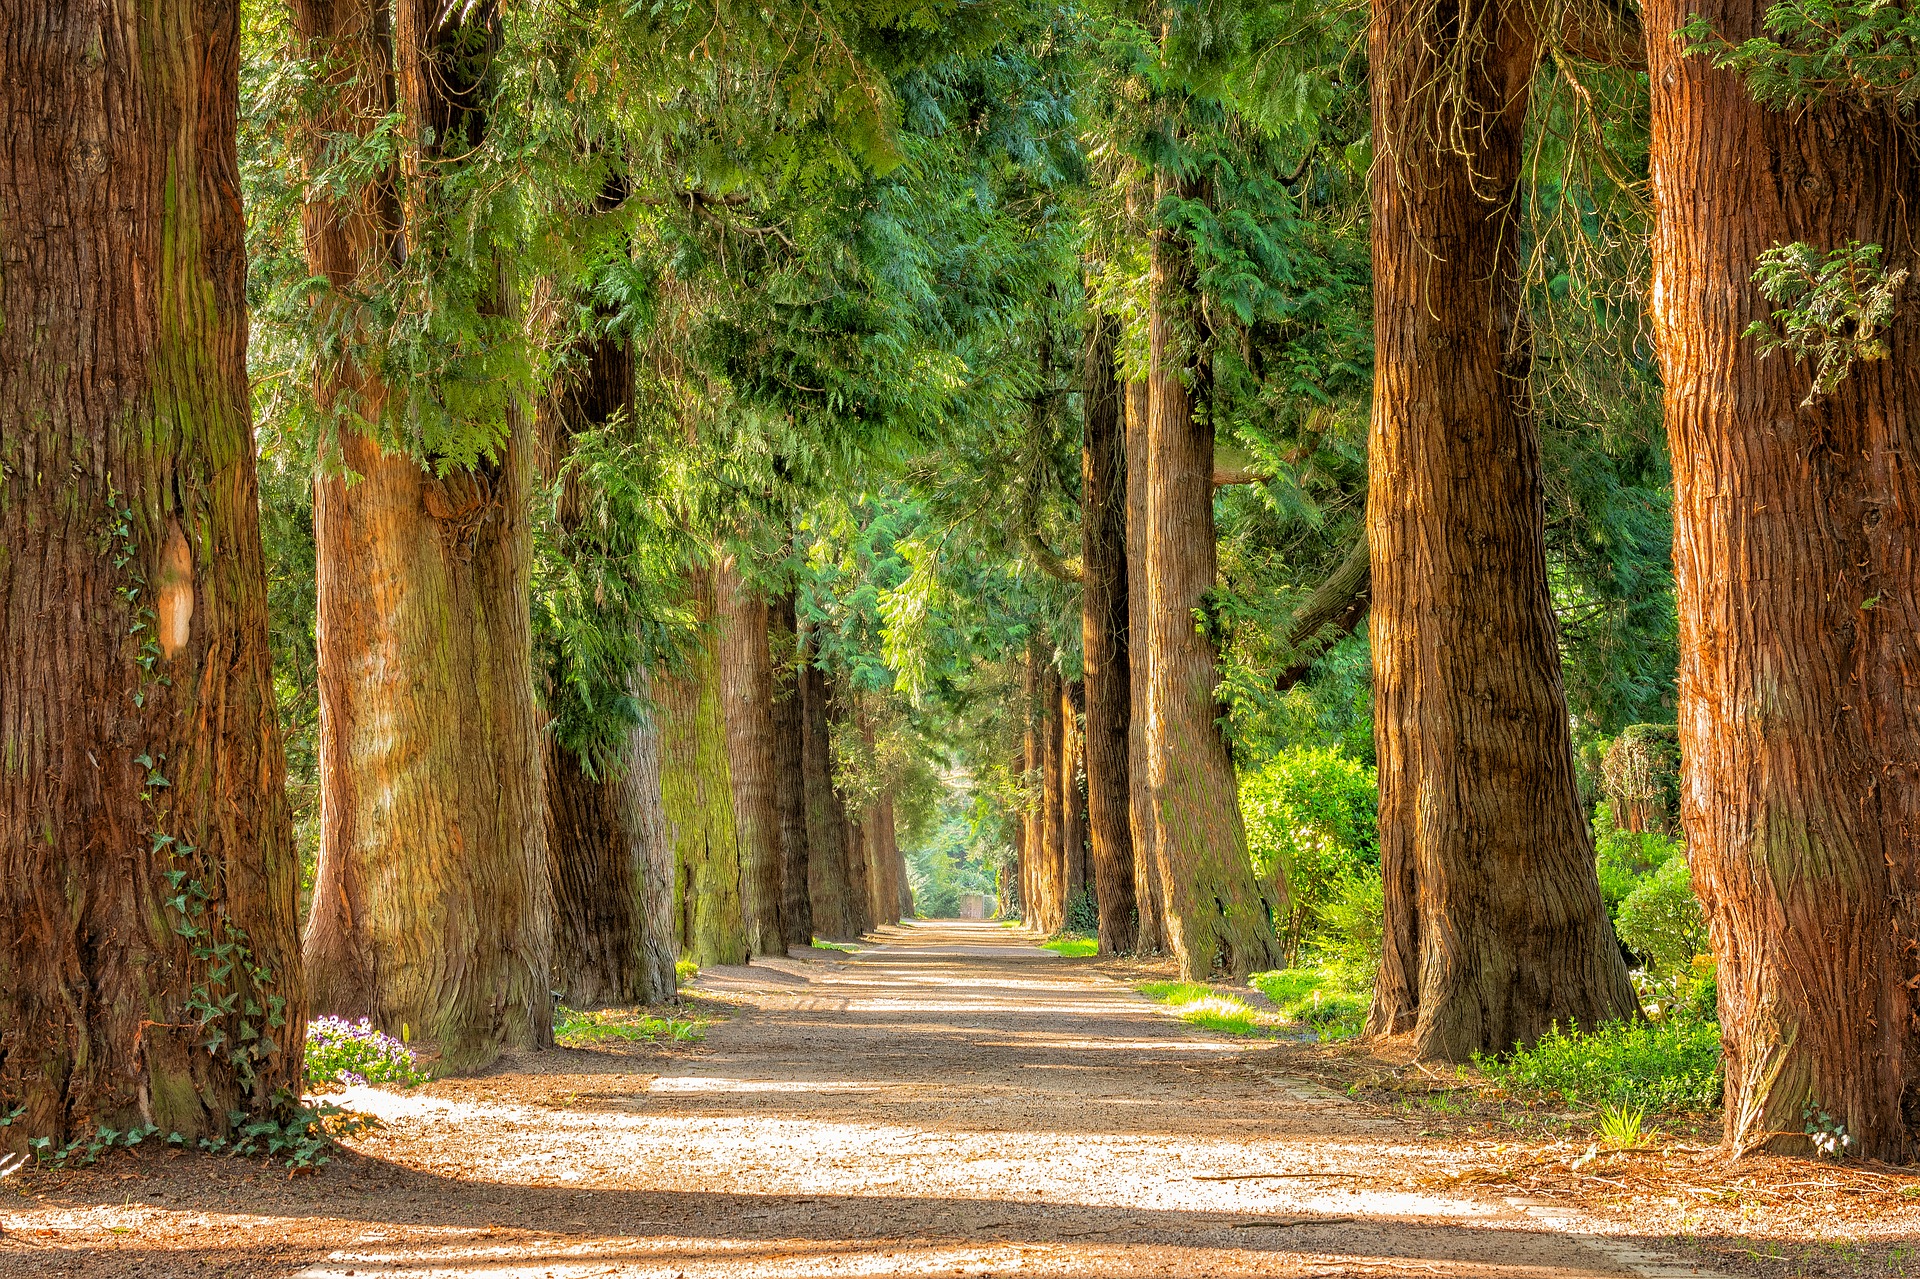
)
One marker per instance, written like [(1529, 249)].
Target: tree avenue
[(501, 505)]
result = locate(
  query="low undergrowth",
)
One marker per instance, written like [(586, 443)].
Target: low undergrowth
[(1071, 945), (1328, 998), (574, 1029), (1201, 1005), (1671, 1065)]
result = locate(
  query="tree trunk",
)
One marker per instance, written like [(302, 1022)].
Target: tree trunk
[(1103, 632), (746, 676), (1073, 798), (1795, 540), (432, 909), (696, 789), (1053, 845), (612, 869), (1216, 920), (789, 773), (133, 626), (1149, 894), (827, 883), (1494, 923)]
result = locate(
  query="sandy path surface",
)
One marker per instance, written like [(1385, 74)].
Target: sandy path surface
[(948, 1101)]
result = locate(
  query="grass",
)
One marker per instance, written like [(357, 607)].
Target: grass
[(1201, 1005), (573, 1029), (1671, 1065), (1071, 946), (1325, 997), (834, 945)]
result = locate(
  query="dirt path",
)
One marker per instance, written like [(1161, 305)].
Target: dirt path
[(949, 1101)]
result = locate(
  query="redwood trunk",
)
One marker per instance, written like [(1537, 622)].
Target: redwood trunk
[(696, 790), (1103, 633), (1216, 919), (1149, 894), (1795, 535), (789, 773), (1494, 923), (827, 882), (133, 624), (746, 676)]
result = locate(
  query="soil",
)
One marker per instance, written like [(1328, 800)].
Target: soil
[(951, 1100)]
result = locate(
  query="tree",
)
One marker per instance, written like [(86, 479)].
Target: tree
[(746, 674), (1103, 587), (147, 867), (1795, 534), (1216, 919), (1495, 928)]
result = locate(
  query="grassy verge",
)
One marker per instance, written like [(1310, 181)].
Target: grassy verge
[(1326, 999), (1202, 1005), (573, 1029), (1071, 946)]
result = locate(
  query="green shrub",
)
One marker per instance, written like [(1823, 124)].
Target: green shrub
[(1333, 999), (1671, 1065), (1661, 919), (1353, 921), (1311, 821)]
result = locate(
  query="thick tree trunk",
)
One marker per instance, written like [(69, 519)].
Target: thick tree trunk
[(1216, 919), (789, 773), (1795, 539), (432, 909), (1073, 795), (1053, 849), (1494, 924), (133, 627), (612, 869), (1149, 895), (696, 789), (827, 883), (1103, 633), (746, 676)]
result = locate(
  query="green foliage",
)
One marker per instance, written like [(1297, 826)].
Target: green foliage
[(1662, 919), (1671, 1065), (1310, 815), (1861, 50), (1835, 306), (573, 1029), (1332, 999)]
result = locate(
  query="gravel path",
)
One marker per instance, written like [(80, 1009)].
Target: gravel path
[(949, 1100)]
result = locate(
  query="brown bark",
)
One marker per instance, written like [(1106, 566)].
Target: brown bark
[(789, 773), (1494, 924), (746, 677), (1073, 795), (827, 882), (1217, 920), (133, 625), (1149, 894), (696, 791), (1795, 538), (1103, 633), (432, 909)]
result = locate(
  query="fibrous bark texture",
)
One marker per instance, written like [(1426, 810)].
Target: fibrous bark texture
[(1494, 924), (1795, 532), (827, 881), (1216, 919), (789, 773), (746, 675), (1103, 633), (133, 627), (696, 789), (1149, 894)]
